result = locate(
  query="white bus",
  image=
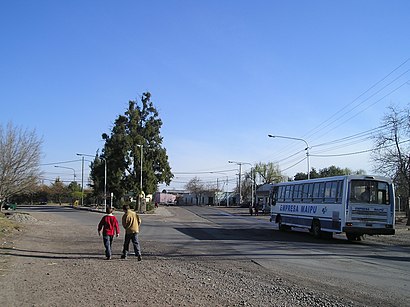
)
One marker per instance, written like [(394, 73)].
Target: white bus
[(354, 204)]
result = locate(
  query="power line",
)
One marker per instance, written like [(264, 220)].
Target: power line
[(397, 88), (204, 172), (335, 118), (354, 136), (345, 154), (311, 132), (294, 165), (360, 152)]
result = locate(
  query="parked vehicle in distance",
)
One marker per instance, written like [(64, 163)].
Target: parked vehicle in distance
[(9, 206), (355, 205), (164, 198)]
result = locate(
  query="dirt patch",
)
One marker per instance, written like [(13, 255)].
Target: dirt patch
[(7, 226)]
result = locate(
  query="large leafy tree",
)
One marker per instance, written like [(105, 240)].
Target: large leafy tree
[(59, 191), (139, 126), (19, 162), (328, 172), (268, 172), (391, 153), (262, 173), (98, 178)]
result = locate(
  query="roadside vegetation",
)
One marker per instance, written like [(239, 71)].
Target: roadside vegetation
[(19, 161), (7, 225)]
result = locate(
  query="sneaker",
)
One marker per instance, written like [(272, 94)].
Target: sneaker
[(108, 258), (123, 257), (139, 258)]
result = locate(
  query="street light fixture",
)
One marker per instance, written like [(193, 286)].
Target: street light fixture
[(67, 168), (105, 179), (297, 139)]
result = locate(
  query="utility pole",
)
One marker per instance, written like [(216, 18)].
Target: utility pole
[(82, 181), (239, 183), (105, 178), (141, 192)]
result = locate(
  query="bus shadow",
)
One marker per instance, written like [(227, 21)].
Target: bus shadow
[(253, 234)]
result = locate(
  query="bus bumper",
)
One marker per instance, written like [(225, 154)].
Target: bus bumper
[(369, 231)]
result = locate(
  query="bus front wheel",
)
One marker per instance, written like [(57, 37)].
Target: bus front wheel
[(281, 226)]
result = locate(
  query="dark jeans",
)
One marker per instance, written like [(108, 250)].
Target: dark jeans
[(133, 237), (107, 244)]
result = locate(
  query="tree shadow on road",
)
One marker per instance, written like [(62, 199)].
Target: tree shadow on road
[(7, 251)]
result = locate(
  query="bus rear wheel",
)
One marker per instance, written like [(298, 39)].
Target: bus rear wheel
[(353, 236), (315, 229)]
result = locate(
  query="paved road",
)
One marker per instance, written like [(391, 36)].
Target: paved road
[(212, 232)]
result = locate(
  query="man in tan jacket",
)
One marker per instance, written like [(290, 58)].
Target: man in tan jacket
[(131, 223)]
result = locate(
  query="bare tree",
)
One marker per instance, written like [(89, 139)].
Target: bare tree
[(195, 186), (391, 154), (19, 161)]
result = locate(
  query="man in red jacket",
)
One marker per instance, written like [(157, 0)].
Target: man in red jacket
[(109, 226)]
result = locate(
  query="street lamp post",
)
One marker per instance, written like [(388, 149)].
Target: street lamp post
[(139, 198), (227, 192), (252, 187), (105, 178), (297, 139), (240, 171), (67, 168), (82, 181)]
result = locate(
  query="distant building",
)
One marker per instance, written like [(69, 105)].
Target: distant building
[(204, 198), (263, 196)]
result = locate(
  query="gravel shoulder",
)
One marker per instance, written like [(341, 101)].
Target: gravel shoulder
[(47, 265)]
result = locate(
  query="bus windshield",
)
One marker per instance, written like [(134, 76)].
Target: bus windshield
[(369, 191)]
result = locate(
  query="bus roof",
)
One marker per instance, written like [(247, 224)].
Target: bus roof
[(341, 177)]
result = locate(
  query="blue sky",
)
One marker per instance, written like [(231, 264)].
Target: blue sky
[(223, 75)]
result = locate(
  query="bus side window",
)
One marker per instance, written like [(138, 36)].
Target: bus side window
[(300, 194), (331, 192), (318, 190), (339, 192), (288, 193), (328, 192), (297, 193), (290, 199), (307, 192), (383, 193), (285, 192), (322, 191), (310, 192), (275, 195), (357, 189), (281, 193)]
